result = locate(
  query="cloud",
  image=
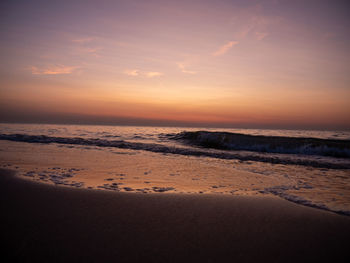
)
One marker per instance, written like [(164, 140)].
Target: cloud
[(83, 40), (86, 45), (261, 35), (222, 50), (183, 69), (152, 74), (53, 70), (132, 72), (147, 74), (252, 22), (90, 50), (256, 26)]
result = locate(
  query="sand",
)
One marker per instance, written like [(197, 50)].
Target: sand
[(45, 223)]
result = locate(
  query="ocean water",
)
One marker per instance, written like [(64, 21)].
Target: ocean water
[(307, 167)]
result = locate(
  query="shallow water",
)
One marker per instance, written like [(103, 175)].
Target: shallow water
[(149, 160)]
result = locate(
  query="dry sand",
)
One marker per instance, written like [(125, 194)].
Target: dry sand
[(44, 223)]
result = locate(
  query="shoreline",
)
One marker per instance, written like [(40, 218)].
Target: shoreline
[(273, 194), (116, 170), (59, 224)]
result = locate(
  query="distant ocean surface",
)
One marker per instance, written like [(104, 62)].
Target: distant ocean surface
[(330, 149), (314, 165)]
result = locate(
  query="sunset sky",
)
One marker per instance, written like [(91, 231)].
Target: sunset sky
[(269, 64)]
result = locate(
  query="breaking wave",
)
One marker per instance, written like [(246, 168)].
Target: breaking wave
[(269, 144), (206, 139)]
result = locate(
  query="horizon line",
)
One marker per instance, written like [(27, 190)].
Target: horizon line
[(180, 125)]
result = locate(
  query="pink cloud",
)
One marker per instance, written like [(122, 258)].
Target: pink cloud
[(83, 40), (183, 69), (261, 35), (252, 22), (223, 49)]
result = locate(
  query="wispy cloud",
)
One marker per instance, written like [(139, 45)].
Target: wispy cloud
[(93, 51), (223, 49), (52, 70), (152, 74), (147, 74), (83, 40), (87, 45), (131, 72), (183, 69), (261, 35), (90, 50), (252, 22)]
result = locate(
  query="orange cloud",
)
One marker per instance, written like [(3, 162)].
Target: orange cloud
[(152, 74), (147, 74), (131, 72), (222, 50), (53, 70)]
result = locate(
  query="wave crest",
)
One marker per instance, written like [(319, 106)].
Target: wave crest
[(159, 148), (269, 144)]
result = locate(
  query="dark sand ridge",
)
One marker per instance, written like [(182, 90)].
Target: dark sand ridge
[(44, 223)]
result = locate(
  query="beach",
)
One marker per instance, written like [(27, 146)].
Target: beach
[(175, 131), (51, 223)]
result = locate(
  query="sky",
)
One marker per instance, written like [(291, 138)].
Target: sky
[(246, 64)]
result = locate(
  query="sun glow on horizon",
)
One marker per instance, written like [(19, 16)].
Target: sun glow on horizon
[(242, 63)]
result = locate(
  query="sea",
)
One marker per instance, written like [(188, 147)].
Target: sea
[(307, 167)]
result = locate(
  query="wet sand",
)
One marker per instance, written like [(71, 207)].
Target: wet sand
[(46, 223)]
